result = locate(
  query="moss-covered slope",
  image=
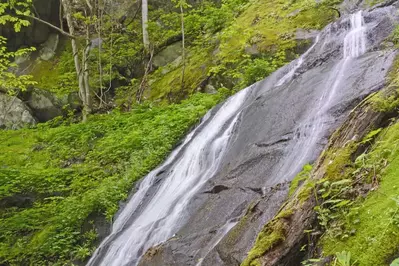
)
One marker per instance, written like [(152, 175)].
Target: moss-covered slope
[(61, 184)]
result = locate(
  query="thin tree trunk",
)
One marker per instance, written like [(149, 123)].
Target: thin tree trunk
[(144, 83), (144, 12), (87, 106), (183, 45), (82, 74), (100, 67)]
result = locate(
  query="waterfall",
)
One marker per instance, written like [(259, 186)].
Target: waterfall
[(163, 215), (153, 216), (309, 132), (355, 41)]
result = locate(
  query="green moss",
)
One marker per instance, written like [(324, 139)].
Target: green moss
[(170, 83), (306, 190), (339, 162), (375, 219), (371, 3), (71, 173), (269, 26), (272, 234), (303, 175), (285, 214), (57, 75)]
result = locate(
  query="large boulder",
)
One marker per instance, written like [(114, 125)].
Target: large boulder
[(14, 114), (44, 105), (168, 55)]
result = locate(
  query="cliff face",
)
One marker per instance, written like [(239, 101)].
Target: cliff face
[(229, 193), (37, 33), (283, 123)]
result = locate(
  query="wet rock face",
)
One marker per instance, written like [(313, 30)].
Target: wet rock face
[(253, 169), (268, 134)]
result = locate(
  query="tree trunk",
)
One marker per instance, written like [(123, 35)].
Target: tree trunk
[(183, 44), (82, 73), (144, 12), (87, 102)]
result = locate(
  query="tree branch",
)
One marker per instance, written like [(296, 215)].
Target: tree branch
[(51, 26)]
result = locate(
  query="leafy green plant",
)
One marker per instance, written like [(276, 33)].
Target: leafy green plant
[(343, 259), (395, 262), (300, 177), (310, 262), (69, 176)]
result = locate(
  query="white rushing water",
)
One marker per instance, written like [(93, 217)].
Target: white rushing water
[(297, 64), (310, 131), (138, 197), (149, 219), (218, 237), (163, 215)]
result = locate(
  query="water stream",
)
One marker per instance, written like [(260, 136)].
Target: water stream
[(309, 132), (147, 221), (164, 214)]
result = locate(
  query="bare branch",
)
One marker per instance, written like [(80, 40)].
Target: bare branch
[(52, 26)]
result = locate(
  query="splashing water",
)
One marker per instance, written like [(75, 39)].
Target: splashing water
[(355, 41)]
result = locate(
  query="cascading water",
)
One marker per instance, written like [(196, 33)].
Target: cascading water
[(162, 216), (158, 210), (309, 131), (355, 41)]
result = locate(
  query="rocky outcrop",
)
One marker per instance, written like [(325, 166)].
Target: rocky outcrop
[(33, 106), (168, 55), (44, 105), (363, 119), (14, 114), (274, 137)]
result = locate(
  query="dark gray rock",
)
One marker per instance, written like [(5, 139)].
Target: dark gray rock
[(37, 33), (267, 147), (44, 105), (264, 135)]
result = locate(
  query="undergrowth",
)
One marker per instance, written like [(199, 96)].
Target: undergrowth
[(231, 44), (55, 178), (369, 229)]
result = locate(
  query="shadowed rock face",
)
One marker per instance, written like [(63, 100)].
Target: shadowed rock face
[(272, 132), (37, 33)]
